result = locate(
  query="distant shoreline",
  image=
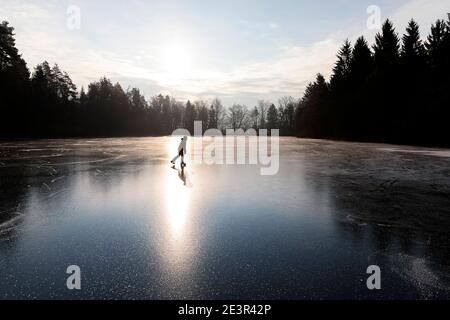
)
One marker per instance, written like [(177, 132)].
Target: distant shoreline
[(5, 140)]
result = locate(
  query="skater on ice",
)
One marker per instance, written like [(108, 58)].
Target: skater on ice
[(181, 152)]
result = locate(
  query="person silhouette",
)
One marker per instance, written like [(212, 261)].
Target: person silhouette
[(181, 152)]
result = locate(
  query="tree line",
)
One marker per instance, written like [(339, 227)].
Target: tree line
[(46, 103), (396, 91)]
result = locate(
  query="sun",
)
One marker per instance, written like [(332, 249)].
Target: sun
[(177, 59)]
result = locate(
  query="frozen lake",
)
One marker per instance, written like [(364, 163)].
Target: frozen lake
[(139, 229)]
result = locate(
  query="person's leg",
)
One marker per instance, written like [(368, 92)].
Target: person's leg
[(175, 159)]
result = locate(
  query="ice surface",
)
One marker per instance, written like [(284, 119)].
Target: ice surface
[(140, 229)]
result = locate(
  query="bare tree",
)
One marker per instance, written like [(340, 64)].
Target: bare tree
[(286, 113), (237, 116), (216, 114), (263, 106), (254, 118), (201, 108)]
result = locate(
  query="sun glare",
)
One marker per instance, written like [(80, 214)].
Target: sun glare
[(177, 59)]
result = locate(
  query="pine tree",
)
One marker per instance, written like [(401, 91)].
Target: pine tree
[(412, 84), (189, 117), (361, 65), (14, 87), (387, 45), (337, 111), (438, 90), (9, 54), (413, 51), (435, 44), (341, 70), (313, 118), (355, 114)]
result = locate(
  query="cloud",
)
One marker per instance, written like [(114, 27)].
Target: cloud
[(287, 72), (425, 12), (274, 25)]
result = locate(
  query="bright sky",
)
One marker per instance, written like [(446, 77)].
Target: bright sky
[(239, 51)]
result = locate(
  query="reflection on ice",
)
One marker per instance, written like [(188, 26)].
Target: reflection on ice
[(140, 229), (177, 198)]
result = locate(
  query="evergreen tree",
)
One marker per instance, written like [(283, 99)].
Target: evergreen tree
[(312, 115), (361, 64), (189, 117), (335, 114), (387, 46), (14, 87), (341, 70), (437, 111), (359, 115), (435, 45), (413, 63), (384, 88), (413, 51)]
